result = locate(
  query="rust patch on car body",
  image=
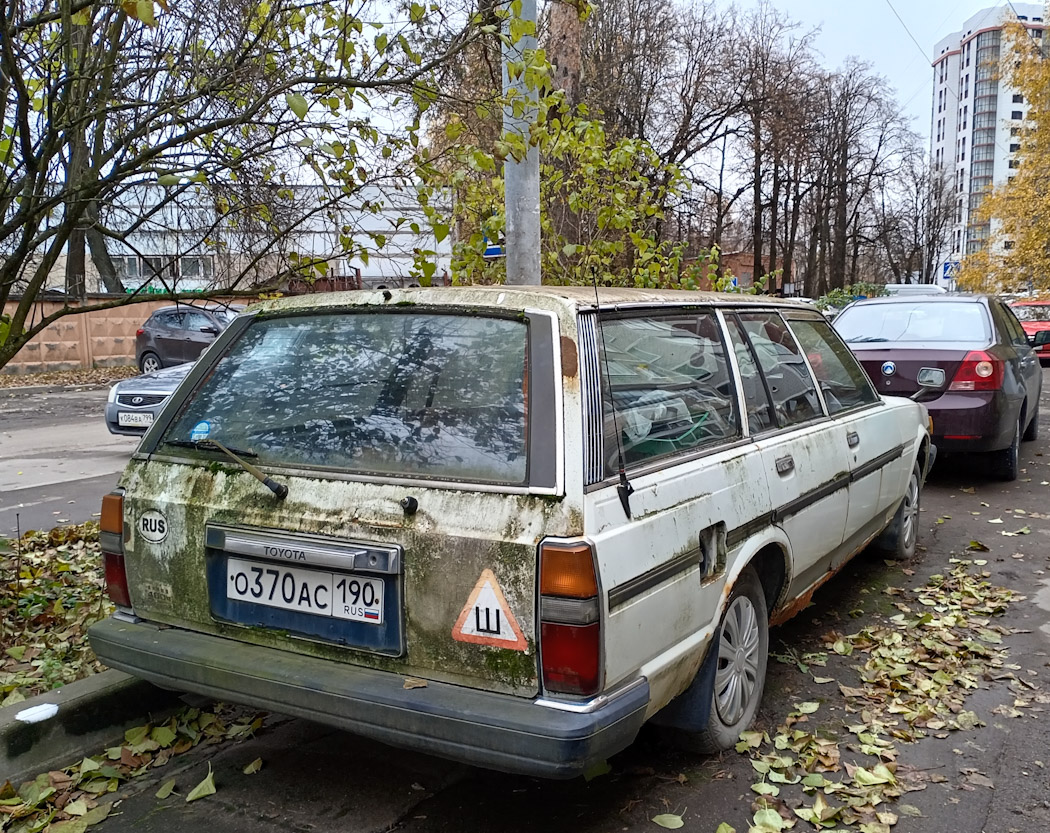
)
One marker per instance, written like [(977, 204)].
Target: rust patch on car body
[(570, 361)]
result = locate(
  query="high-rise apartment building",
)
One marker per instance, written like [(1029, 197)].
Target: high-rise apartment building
[(977, 117)]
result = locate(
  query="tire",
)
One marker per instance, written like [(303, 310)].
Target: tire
[(149, 363), (1007, 462), (740, 670), (1031, 433), (901, 536)]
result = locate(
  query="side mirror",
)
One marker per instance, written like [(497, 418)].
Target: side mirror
[(212, 330), (1040, 338)]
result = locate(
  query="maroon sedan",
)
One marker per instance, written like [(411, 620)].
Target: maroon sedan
[(966, 357)]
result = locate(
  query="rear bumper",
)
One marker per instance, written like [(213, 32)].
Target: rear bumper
[(497, 731), (972, 421)]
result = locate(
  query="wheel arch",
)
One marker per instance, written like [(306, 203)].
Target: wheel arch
[(769, 555)]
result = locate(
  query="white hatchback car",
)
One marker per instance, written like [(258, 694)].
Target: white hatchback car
[(502, 525)]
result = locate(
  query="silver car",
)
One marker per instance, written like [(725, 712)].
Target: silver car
[(134, 403)]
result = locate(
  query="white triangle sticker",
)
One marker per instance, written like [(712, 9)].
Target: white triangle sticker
[(486, 618)]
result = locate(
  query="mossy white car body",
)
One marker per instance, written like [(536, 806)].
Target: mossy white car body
[(445, 454)]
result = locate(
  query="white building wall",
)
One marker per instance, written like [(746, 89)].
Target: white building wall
[(973, 113)]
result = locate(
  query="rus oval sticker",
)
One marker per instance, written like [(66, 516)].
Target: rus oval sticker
[(153, 526)]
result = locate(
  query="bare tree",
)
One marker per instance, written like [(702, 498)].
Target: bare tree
[(236, 106)]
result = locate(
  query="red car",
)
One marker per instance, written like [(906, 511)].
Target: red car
[(1034, 316)]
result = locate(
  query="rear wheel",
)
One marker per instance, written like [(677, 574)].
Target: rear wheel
[(902, 534), (1031, 433), (740, 670), (1007, 465), (149, 362)]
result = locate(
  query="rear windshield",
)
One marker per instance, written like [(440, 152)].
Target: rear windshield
[(403, 394), (917, 321), (1031, 312)]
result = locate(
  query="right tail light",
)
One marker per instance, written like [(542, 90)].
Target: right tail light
[(978, 371), (570, 619)]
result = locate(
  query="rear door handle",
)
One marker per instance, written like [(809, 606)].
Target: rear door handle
[(785, 465), (853, 439)]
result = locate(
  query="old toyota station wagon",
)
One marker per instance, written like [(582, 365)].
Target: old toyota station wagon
[(506, 526)]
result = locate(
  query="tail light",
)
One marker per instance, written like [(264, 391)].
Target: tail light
[(978, 371), (140, 331), (111, 538), (570, 620)]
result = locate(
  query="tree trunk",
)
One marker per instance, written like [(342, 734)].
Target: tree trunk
[(840, 228), (796, 207), (774, 220), (810, 284), (756, 228), (564, 49), (76, 265)]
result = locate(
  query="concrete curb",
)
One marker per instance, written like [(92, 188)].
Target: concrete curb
[(30, 389), (91, 714)]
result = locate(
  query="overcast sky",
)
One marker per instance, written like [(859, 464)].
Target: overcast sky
[(869, 30)]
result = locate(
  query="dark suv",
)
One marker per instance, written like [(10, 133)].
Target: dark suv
[(178, 334)]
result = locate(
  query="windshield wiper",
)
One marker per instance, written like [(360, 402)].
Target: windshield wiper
[(278, 489), (865, 339)]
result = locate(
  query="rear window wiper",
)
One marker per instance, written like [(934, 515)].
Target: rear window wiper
[(278, 489), (211, 444)]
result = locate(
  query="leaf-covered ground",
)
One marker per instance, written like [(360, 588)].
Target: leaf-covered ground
[(914, 671), (73, 799), (51, 591), (62, 378)]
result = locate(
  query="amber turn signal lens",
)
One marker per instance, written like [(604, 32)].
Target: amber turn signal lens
[(567, 570), (112, 514)]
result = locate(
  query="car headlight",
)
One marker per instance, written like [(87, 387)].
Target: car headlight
[(112, 394)]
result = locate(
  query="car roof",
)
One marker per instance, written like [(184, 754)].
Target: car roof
[(521, 297), (919, 298), (205, 306)]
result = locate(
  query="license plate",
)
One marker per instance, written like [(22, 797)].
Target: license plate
[(318, 592), (131, 419)]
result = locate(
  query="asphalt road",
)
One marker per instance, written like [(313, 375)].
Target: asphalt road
[(57, 458), (316, 779)]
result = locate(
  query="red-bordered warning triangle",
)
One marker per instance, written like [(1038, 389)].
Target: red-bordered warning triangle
[(486, 619)]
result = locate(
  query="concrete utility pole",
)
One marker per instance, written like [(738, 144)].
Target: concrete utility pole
[(1046, 28), (521, 179)]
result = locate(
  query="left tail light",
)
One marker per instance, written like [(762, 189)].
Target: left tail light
[(570, 619), (111, 538)]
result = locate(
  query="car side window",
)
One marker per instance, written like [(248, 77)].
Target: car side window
[(170, 320), (1014, 329), (666, 387), (195, 320), (788, 380), (760, 416), (842, 380)]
